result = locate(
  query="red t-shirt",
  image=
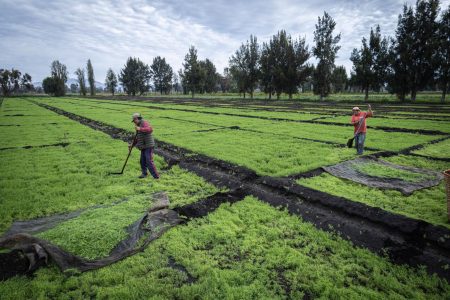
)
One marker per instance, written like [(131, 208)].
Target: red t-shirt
[(356, 118)]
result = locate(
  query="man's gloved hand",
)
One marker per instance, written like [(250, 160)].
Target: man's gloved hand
[(137, 128), (130, 146)]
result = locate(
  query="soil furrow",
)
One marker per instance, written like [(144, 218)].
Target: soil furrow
[(36, 146)]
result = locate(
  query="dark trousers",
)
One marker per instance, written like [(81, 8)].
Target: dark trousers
[(147, 162)]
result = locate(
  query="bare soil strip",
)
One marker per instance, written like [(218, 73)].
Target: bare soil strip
[(18, 125), (37, 146), (403, 239)]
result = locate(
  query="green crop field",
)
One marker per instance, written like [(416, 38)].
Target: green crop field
[(259, 247)]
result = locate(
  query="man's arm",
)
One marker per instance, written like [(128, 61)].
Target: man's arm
[(369, 111), (145, 127), (132, 143), (356, 120)]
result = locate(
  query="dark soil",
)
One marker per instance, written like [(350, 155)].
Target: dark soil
[(13, 263), (38, 146), (18, 125), (176, 266)]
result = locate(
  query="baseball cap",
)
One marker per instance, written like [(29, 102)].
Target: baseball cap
[(135, 115)]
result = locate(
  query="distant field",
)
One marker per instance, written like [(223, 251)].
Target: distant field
[(308, 96)]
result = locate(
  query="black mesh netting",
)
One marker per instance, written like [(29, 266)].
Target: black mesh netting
[(38, 252), (356, 170)]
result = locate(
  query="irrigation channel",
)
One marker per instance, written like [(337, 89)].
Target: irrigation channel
[(404, 240)]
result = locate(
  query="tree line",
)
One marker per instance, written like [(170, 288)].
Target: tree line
[(416, 58), (12, 81), (135, 78)]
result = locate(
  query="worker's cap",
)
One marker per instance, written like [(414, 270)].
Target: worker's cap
[(355, 108), (136, 116)]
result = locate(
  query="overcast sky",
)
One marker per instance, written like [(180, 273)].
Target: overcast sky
[(33, 33)]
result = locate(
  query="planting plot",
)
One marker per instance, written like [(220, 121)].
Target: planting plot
[(386, 172), (441, 150), (275, 156), (248, 250), (427, 204)]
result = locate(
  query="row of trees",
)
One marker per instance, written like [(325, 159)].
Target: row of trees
[(416, 58), (12, 81), (280, 65), (135, 77)]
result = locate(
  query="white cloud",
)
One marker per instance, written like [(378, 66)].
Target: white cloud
[(36, 32)]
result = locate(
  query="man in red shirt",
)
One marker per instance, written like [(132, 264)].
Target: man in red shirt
[(359, 122), (144, 141)]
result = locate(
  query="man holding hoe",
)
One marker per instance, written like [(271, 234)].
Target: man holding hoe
[(144, 141), (359, 122)]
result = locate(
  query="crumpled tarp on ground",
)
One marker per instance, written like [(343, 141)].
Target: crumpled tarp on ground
[(154, 223), (348, 170)]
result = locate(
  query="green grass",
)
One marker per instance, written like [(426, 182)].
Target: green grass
[(441, 150), (427, 204), (264, 153), (387, 172), (43, 181), (339, 134), (96, 231), (248, 250), (279, 152)]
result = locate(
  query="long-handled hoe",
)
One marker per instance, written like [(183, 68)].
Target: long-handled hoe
[(126, 160)]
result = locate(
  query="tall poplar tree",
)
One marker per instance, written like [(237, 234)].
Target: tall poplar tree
[(111, 81), (191, 74), (91, 77), (81, 81), (325, 50)]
